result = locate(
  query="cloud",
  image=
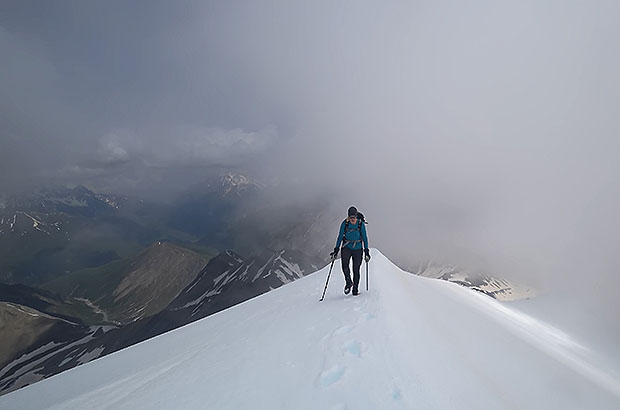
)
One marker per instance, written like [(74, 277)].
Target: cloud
[(206, 144), (29, 113), (184, 146), (111, 148)]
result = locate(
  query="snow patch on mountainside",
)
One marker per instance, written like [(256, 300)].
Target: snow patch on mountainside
[(500, 289), (237, 184)]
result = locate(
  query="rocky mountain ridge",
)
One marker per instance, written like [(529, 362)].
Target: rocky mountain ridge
[(137, 287)]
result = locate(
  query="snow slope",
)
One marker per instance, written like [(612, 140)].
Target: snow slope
[(409, 343)]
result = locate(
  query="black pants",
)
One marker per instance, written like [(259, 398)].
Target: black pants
[(346, 255)]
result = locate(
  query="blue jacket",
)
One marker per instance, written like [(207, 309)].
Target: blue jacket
[(351, 239)]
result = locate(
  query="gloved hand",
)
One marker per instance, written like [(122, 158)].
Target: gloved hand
[(367, 253), (334, 254)]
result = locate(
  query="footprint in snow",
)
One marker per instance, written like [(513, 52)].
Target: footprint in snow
[(354, 348), (331, 375), (370, 316), (343, 330), (366, 317), (396, 394)]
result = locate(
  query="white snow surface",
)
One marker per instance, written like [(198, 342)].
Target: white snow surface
[(408, 343)]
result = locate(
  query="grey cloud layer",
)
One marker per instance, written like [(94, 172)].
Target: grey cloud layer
[(90, 85), (184, 145)]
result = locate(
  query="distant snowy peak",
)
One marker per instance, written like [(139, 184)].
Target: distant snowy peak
[(281, 264), (46, 211), (59, 199), (229, 267), (500, 289), (228, 275), (80, 196), (113, 201), (234, 184)]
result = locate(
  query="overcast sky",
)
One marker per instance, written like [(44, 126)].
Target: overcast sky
[(478, 133)]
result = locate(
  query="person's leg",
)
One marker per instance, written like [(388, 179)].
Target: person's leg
[(345, 256), (357, 262)]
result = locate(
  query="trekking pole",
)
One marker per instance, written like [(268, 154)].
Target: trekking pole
[(366, 276), (328, 275)]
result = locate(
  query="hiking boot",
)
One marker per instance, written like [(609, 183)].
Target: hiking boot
[(347, 289), (355, 292)]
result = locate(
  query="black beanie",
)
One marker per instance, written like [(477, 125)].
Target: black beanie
[(352, 211)]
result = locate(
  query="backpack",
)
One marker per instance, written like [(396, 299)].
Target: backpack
[(360, 217)]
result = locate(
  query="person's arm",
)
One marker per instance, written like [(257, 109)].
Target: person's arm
[(340, 235), (365, 239), (364, 235)]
